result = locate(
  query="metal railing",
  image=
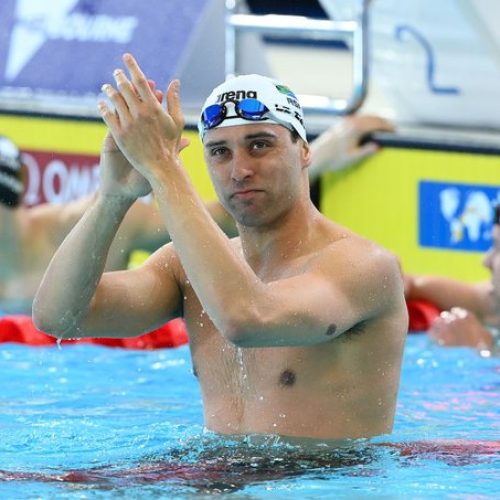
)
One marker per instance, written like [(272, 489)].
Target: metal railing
[(304, 28)]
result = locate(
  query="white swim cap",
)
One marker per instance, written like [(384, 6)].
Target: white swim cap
[(247, 99), (11, 185)]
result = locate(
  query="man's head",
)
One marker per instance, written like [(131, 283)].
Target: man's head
[(11, 186), (249, 99), (256, 148)]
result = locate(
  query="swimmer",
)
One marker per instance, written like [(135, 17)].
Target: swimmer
[(297, 326), (470, 311)]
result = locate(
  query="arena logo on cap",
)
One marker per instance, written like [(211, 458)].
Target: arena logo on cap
[(237, 95)]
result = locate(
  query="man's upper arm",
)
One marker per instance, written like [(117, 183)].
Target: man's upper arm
[(329, 299), (132, 302)]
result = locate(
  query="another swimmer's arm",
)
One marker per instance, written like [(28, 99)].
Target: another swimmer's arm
[(143, 227), (446, 293), (340, 146)]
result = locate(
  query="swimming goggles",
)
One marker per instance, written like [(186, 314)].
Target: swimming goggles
[(248, 109)]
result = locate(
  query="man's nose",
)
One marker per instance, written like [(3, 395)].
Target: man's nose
[(242, 167)]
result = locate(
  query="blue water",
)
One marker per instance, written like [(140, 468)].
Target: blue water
[(130, 424)]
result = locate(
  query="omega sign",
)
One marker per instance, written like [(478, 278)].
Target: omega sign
[(59, 177)]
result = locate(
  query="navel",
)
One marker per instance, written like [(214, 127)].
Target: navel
[(287, 378), (331, 330)]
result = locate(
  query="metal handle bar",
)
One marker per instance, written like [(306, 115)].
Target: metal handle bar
[(301, 27)]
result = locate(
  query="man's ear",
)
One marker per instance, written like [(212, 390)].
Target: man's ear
[(306, 153)]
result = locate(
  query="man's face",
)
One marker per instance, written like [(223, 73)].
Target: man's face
[(257, 170)]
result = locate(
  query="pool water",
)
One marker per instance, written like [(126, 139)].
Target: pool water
[(87, 421)]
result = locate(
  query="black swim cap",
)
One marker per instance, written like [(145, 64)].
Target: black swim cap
[(11, 186)]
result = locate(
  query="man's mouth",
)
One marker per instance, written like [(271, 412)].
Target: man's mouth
[(245, 193)]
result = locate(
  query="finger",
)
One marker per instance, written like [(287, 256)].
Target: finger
[(174, 103), (109, 117), (370, 123), (158, 93), (364, 151), (138, 78), (184, 143), (126, 89), (119, 103), (447, 316), (460, 312)]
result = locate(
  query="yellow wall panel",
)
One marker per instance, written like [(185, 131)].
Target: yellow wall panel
[(379, 199)]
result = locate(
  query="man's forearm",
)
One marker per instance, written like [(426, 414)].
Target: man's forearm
[(221, 278), (69, 284)]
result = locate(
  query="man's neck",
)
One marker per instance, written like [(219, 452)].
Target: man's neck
[(286, 238)]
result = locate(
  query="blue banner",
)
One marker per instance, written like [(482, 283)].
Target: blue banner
[(70, 47), (456, 216)]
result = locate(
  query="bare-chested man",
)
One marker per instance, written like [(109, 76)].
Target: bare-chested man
[(296, 327)]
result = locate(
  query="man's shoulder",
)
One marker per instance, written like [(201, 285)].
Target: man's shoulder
[(359, 264), (342, 242), (166, 258)]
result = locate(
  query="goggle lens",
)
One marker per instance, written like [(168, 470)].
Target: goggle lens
[(251, 109), (213, 115)]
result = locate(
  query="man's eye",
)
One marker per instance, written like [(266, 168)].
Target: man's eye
[(259, 145), (218, 151)]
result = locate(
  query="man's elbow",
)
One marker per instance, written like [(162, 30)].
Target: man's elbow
[(235, 334), (254, 328), (241, 329), (49, 322)]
